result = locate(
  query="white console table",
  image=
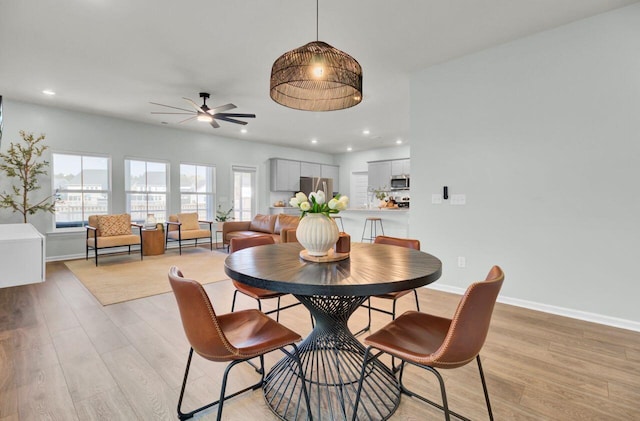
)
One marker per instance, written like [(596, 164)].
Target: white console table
[(22, 255)]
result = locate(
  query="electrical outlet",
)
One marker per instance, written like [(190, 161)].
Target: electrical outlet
[(462, 262), (458, 199)]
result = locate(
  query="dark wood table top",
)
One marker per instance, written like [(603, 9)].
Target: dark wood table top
[(371, 269)]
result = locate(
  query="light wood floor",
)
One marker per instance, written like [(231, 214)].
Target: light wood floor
[(63, 356)]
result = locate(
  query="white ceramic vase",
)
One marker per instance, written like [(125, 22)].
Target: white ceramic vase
[(317, 233)]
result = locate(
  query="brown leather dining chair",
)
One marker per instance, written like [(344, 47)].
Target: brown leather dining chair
[(258, 294), (233, 338), (433, 342), (393, 296)]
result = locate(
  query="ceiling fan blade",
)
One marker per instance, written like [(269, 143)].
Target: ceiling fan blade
[(196, 106), (169, 106), (234, 115), (221, 108), (187, 119), (158, 112), (230, 120), (214, 124)]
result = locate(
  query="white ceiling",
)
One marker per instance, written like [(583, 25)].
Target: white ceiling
[(113, 57)]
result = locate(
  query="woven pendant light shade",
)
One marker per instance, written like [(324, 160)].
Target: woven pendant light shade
[(316, 77)]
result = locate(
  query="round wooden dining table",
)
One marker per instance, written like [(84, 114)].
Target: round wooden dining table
[(331, 356)]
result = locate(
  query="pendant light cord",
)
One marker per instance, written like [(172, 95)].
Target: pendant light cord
[(317, 38)]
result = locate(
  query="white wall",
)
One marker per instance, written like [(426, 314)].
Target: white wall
[(543, 137), (79, 132)]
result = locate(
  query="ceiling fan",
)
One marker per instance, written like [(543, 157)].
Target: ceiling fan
[(206, 114)]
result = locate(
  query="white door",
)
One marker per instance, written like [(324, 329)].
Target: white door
[(359, 196)]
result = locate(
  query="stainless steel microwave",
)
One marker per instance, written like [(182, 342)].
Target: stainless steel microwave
[(399, 183)]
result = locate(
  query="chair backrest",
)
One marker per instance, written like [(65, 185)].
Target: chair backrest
[(199, 319), (240, 243), (394, 241), (470, 323)]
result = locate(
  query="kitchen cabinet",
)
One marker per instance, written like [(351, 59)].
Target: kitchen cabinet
[(401, 167), (285, 175), (333, 172), (310, 169), (379, 175)]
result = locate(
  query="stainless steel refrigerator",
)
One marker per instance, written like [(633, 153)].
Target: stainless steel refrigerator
[(313, 184)]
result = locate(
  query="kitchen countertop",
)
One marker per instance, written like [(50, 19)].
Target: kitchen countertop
[(376, 210)]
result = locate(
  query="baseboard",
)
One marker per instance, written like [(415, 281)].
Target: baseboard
[(560, 311)]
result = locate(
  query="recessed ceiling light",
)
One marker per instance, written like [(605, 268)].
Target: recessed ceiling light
[(314, 141), (48, 92), (349, 149), (366, 132), (243, 130), (399, 141)]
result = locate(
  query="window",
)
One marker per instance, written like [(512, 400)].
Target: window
[(146, 189), (244, 192), (82, 184), (197, 186)]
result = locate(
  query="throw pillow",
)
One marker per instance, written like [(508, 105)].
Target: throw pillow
[(189, 221), (110, 225)]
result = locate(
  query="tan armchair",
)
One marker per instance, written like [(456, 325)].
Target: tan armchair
[(187, 227), (110, 231)]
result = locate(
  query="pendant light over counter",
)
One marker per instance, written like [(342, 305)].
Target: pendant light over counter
[(316, 77)]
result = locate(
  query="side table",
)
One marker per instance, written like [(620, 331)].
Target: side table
[(152, 242)]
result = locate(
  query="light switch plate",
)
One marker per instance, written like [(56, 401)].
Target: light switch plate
[(436, 199), (462, 262)]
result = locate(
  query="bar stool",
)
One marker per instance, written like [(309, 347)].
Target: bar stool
[(337, 218), (373, 221)]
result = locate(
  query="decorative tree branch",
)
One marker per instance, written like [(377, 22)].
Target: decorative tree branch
[(22, 162)]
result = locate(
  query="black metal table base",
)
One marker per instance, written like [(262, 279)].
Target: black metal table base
[(332, 360)]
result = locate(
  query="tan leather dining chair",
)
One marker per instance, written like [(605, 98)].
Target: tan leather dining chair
[(258, 294), (433, 342), (393, 296), (233, 338)]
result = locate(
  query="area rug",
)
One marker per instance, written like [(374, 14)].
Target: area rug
[(125, 277)]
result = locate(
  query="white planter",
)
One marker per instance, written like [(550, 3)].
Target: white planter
[(317, 233)]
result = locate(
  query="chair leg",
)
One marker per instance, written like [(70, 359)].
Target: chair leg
[(220, 401), (365, 362), (415, 293), (445, 406), (484, 387), (233, 302), (296, 354), (278, 311), (368, 326)]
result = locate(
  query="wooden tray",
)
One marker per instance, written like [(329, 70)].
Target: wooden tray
[(332, 256)]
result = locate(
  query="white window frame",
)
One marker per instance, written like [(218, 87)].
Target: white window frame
[(210, 194), (147, 192), (82, 191)]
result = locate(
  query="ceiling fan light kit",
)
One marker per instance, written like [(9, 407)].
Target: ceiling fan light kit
[(206, 114), (316, 77)]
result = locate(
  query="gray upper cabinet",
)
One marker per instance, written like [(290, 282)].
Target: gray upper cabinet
[(401, 167), (310, 169), (285, 175), (379, 175)]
